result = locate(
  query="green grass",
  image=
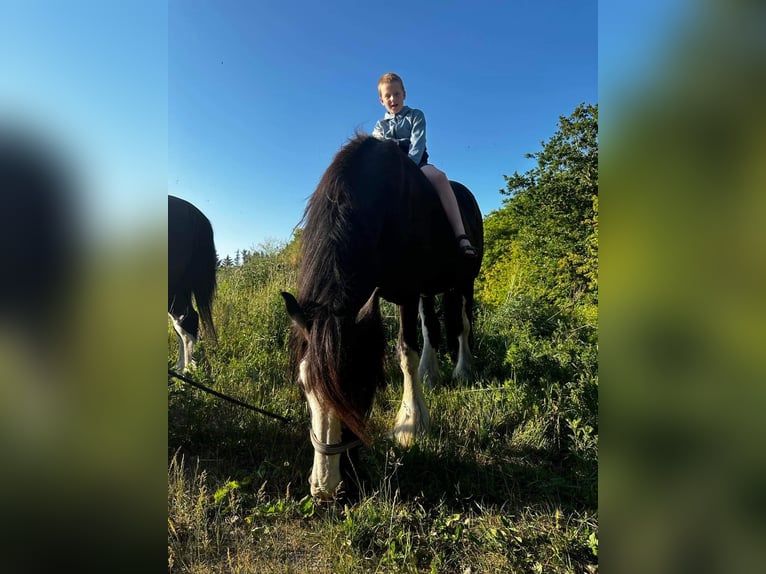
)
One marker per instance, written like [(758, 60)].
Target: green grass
[(503, 482)]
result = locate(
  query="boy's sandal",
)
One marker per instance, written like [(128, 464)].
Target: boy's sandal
[(467, 251)]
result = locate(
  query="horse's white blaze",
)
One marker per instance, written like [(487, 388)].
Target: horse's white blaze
[(464, 366), (429, 362), (325, 474), (186, 342), (413, 418)]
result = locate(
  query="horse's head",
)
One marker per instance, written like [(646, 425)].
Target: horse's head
[(339, 358)]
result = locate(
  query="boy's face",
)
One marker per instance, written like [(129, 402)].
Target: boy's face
[(392, 96)]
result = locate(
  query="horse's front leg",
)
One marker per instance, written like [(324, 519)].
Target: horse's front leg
[(413, 418)]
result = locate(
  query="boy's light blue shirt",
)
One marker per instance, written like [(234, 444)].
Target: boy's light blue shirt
[(408, 125)]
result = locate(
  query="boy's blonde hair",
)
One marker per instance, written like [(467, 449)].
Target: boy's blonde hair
[(388, 78)]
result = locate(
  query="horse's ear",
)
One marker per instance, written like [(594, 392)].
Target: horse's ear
[(296, 313), (371, 308)]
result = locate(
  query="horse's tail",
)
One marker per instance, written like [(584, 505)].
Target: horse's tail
[(204, 283)]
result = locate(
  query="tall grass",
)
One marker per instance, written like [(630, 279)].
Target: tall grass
[(503, 483)]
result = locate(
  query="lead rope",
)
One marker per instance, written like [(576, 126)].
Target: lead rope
[(283, 419)]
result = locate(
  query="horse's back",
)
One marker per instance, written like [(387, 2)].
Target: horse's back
[(185, 220), (189, 233), (441, 266), (180, 239)]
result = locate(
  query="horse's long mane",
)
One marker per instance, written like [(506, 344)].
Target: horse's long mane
[(343, 222)]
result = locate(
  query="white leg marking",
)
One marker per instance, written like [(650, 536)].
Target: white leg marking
[(428, 371), (464, 367), (186, 344), (413, 418), (325, 474), (181, 362)]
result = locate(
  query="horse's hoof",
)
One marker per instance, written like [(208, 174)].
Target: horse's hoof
[(429, 380), (404, 437), (409, 427), (463, 375)]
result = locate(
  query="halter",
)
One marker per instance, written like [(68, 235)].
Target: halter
[(329, 449)]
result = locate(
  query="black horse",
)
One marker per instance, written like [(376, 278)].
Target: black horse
[(374, 228), (191, 270)]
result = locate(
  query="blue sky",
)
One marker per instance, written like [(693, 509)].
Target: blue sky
[(90, 78), (239, 106), (261, 95)]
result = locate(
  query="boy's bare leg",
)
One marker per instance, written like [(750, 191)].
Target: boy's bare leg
[(448, 200)]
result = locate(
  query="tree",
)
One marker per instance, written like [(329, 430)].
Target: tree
[(540, 273), (547, 229)]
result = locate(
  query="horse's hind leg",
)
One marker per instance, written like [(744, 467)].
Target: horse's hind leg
[(186, 325), (429, 359), (460, 309), (413, 418), (186, 343)]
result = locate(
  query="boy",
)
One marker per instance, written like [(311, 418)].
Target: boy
[(407, 126)]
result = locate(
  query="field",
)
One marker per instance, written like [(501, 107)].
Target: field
[(504, 482)]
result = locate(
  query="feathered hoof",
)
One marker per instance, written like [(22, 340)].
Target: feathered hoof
[(404, 436), (409, 426), (429, 374), (190, 369), (464, 374)]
